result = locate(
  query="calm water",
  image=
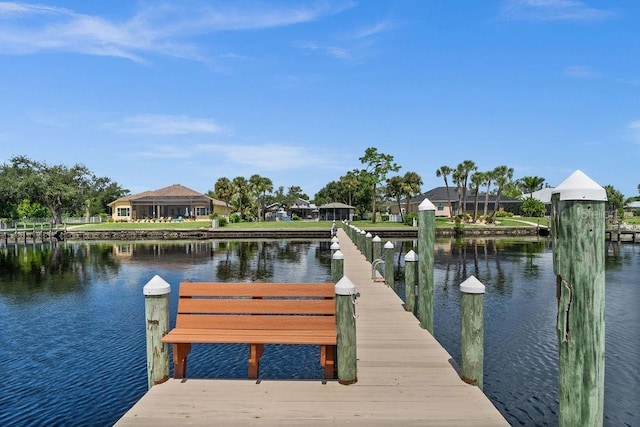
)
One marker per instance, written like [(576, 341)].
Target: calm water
[(73, 316)]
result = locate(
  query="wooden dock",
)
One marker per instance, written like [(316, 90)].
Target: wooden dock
[(405, 378)]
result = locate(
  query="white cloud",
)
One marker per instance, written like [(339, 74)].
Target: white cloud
[(334, 51), (552, 10), (162, 124), (162, 28), (581, 72), (268, 157)]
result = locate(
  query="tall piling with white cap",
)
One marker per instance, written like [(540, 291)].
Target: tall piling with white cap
[(156, 306), (346, 328), (472, 331), (368, 246), (578, 237), (337, 266), (426, 245)]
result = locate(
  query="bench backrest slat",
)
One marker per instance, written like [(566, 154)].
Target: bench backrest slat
[(195, 289), (255, 306), (196, 321)]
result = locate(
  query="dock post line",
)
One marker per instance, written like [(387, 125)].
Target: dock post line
[(376, 248), (362, 242), (578, 225), (337, 266), (346, 327), (426, 246), (389, 276), (335, 246), (472, 331), (410, 281), (156, 306)]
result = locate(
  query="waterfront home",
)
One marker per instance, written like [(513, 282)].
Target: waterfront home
[(440, 199), (172, 203)]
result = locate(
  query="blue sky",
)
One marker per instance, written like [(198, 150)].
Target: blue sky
[(153, 93)]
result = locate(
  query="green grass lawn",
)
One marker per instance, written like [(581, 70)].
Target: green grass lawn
[(194, 225)]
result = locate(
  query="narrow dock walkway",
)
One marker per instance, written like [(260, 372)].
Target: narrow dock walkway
[(404, 378)]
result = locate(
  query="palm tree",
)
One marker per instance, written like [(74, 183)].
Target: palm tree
[(529, 184), (240, 187), (463, 170), (223, 190), (488, 179), (503, 175), (444, 172), (394, 190), (259, 187), (411, 186), (477, 179), (350, 184)]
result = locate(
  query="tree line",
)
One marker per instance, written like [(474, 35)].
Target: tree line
[(31, 189)]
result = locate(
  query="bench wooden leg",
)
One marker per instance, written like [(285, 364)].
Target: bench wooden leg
[(180, 353), (327, 360), (255, 353)]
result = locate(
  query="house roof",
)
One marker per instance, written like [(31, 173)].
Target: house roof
[(175, 191), (336, 205)]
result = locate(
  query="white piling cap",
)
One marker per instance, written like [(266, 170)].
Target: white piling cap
[(335, 239), (411, 256), (345, 286), (426, 205), (368, 235), (388, 245), (363, 232), (335, 245), (376, 239), (337, 255), (578, 186), (156, 286), (472, 286)]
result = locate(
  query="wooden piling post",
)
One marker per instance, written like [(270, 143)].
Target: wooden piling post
[(335, 246), (389, 276), (346, 328), (579, 225), (472, 331), (410, 283), (367, 246), (337, 266), (156, 302), (426, 245), (361, 242), (376, 247)]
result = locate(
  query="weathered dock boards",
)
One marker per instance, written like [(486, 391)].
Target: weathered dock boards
[(404, 378)]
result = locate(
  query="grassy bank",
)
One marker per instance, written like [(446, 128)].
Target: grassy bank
[(365, 225)]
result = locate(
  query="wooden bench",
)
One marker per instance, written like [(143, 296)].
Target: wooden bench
[(254, 314)]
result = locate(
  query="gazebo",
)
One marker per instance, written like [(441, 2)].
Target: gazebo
[(336, 211)]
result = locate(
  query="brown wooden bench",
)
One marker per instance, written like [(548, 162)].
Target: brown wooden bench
[(254, 314)]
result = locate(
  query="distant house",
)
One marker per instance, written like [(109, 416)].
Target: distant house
[(303, 209), (438, 196), (170, 202), (336, 212)]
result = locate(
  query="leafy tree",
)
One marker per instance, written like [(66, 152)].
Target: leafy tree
[(533, 207), (444, 172), (378, 166), (615, 202), (26, 209), (394, 190), (60, 188), (240, 199)]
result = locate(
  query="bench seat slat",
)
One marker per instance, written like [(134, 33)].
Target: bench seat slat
[(227, 321), (195, 289), (225, 336), (255, 306)]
